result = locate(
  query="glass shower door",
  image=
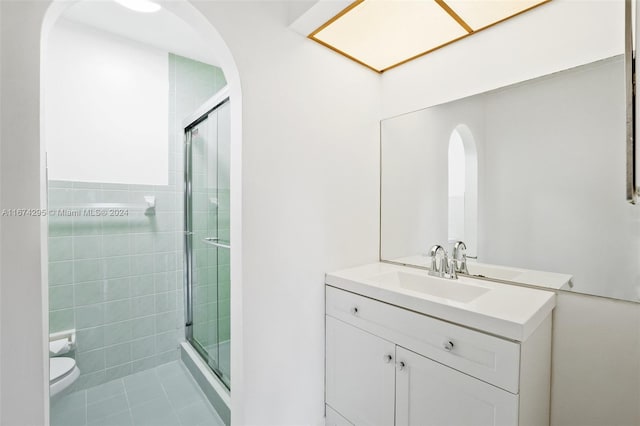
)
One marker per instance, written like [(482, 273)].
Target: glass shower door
[(207, 248)]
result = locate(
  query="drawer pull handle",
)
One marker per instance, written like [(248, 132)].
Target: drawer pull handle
[(354, 310), (448, 345), (401, 365), (388, 358)]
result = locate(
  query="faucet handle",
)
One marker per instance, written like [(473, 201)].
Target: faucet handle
[(460, 257), (453, 274), (443, 267), (463, 265)]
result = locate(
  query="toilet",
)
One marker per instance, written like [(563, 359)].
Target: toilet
[(63, 371)]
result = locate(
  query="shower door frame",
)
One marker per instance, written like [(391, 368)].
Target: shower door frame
[(201, 114)]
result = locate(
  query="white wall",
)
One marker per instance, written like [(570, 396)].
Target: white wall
[(595, 376), (310, 200), (415, 149), (23, 319), (0, 221), (552, 37), (310, 195), (591, 384), (557, 189), (106, 102), (409, 224)]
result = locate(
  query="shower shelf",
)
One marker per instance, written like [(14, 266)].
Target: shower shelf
[(107, 209)]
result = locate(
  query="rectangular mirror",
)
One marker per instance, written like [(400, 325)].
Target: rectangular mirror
[(532, 177)]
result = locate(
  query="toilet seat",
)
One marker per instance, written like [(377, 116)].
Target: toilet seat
[(62, 373)]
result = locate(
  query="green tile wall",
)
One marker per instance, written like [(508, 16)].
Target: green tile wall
[(118, 280)]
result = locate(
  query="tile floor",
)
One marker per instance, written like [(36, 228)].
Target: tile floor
[(164, 396)]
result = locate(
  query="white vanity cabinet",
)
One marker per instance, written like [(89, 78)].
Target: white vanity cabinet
[(360, 374), (429, 393), (387, 365)]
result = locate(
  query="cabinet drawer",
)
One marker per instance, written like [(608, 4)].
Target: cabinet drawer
[(488, 358)]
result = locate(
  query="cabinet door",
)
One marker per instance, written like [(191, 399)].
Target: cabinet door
[(429, 393), (360, 375)]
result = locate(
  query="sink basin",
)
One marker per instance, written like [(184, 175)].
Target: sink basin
[(433, 286)]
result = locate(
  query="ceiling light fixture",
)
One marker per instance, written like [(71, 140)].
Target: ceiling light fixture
[(382, 34), (144, 6)]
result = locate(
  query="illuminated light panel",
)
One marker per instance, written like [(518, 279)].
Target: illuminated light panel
[(144, 6), (382, 33), (480, 14)]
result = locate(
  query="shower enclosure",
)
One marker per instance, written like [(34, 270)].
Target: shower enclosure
[(206, 226)]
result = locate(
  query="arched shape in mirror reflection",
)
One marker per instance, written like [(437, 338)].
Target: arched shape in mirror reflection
[(463, 189)]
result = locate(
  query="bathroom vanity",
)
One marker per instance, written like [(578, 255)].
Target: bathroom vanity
[(406, 348)]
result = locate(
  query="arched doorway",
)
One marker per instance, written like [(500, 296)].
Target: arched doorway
[(187, 13)]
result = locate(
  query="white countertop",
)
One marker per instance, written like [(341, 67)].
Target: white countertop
[(505, 310), (552, 280)]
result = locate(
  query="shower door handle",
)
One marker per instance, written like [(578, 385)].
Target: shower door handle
[(214, 241)]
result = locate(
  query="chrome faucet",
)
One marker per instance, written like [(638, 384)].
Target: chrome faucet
[(460, 257), (446, 269)]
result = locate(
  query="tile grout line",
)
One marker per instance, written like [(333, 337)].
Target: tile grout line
[(173, 408), (126, 397), (202, 394)]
